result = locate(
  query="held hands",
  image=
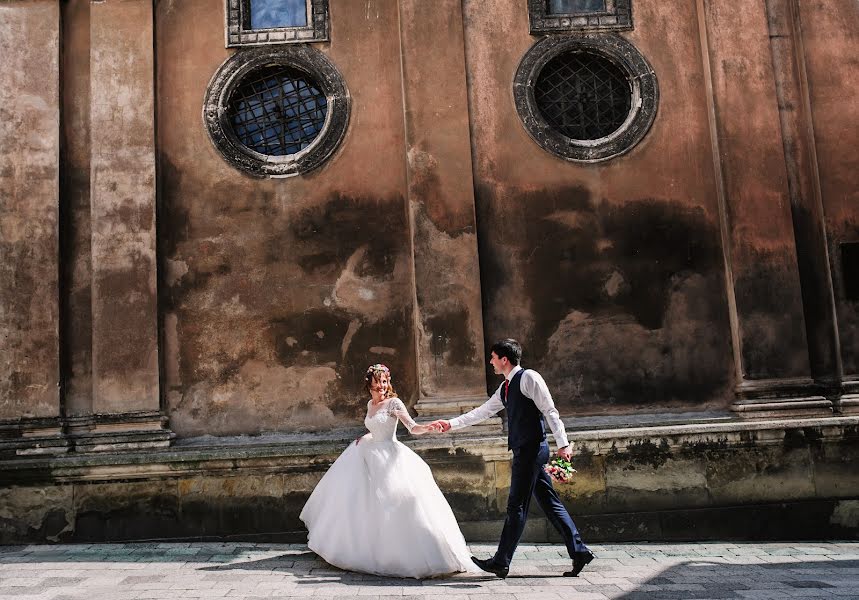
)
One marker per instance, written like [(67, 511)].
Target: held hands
[(440, 426), (422, 429)]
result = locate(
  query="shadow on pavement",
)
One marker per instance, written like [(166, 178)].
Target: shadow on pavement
[(309, 569), (700, 580)]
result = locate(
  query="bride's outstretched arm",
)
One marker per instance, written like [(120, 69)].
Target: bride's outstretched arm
[(399, 409), (420, 429)]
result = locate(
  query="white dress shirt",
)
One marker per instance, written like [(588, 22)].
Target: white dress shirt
[(533, 386)]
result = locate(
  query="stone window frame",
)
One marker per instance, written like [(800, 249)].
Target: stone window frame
[(645, 97), (231, 74), (238, 32), (616, 17)]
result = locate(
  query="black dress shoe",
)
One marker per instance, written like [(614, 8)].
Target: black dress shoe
[(580, 559), (490, 567)]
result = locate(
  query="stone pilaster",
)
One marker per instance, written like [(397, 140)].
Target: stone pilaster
[(29, 226), (124, 301), (773, 369), (806, 202), (807, 41), (449, 320)]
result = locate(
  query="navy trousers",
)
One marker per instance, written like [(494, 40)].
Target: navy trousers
[(529, 479)]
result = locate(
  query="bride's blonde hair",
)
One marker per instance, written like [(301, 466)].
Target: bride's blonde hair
[(374, 373)]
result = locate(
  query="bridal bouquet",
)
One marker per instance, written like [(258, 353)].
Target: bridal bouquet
[(560, 469)]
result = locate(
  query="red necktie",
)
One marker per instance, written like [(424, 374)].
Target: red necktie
[(506, 390)]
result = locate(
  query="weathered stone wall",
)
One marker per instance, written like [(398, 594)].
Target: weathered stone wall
[(151, 279), (611, 274), (278, 293), (29, 206), (627, 280), (766, 480), (122, 207)]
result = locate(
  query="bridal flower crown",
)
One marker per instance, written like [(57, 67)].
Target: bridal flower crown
[(378, 368)]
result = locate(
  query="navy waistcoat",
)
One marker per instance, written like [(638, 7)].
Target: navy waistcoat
[(524, 420)]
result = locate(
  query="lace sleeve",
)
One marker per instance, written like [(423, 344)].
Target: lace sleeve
[(398, 409)]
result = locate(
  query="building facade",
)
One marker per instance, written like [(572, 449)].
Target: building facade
[(216, 213)]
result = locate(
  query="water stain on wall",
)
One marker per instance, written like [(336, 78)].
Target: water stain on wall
[(274, 308), (615, 304), (771, 329)]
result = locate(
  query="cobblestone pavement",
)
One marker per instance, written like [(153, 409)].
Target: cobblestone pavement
[(699, 571)]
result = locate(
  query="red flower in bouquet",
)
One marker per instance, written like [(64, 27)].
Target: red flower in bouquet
[(560, 470)]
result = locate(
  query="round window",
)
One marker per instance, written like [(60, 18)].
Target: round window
[(277, 112), (586, 98)]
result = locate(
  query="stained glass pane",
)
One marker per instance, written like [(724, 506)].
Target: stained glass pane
[(266, 14), (571, 7)]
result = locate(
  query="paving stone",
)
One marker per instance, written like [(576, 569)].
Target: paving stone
[(694, 571), (132, 579)]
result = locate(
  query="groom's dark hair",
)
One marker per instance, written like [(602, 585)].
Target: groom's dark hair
[(509, 348)]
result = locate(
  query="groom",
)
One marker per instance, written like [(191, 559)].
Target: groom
[(527, 399)]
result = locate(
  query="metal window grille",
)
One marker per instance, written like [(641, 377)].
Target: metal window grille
[(277, 111), (583, 95)]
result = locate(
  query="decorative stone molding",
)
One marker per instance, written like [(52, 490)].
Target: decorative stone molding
[(240, 33), (644, 90), (848, 402), (135, 431), (123, 432), (32, 436), (779, 398), (302, 58), (616, 16)]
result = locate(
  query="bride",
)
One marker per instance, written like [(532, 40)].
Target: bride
[(378, 509)]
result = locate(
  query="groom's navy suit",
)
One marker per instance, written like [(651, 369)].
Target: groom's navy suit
[(526, 437)]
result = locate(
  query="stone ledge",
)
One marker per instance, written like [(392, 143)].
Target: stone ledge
[(711, 428), (306, 452), (663, 481)]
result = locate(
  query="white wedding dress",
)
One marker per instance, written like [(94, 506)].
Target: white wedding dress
[(378, 509)]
